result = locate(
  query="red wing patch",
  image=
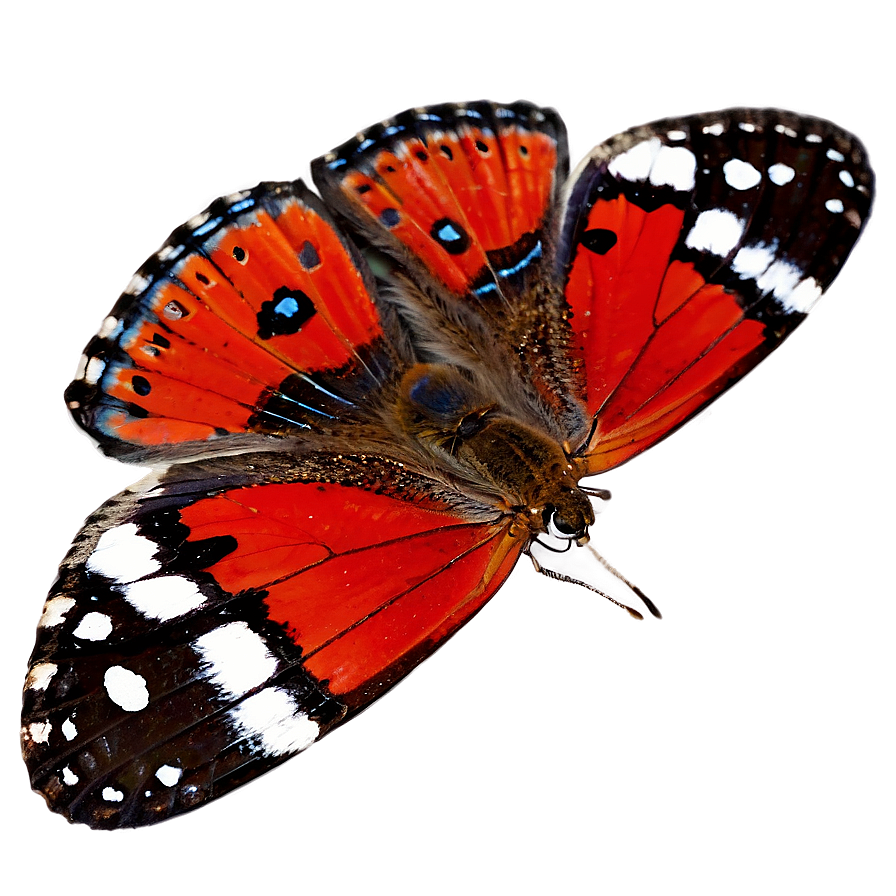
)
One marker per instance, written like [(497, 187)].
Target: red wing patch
[(460, 192), (360, 581), (255, 316), (196, 638), (684, 266)]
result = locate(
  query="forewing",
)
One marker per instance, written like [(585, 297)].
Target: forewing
[(691, 248), (208, 625), (255, 317), (449, 188), (463, 197)]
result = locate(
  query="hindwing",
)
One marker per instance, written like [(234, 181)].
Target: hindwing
[(214, 621)]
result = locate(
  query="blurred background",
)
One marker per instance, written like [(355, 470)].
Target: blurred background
[(742, 745)]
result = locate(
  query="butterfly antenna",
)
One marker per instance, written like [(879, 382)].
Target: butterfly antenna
[(631, 585), (562, 577)]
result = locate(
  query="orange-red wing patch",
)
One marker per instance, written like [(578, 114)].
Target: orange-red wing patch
[(365, 583), (657, 342), (255, 316), (654, 338), (691, 248), (445, 187)]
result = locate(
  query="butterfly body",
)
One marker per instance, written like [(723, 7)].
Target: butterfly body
[(355, 439)]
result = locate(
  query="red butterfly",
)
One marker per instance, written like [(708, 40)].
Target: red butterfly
[(355, 445)]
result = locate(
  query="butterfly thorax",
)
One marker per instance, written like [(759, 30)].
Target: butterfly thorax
[(525, 469)]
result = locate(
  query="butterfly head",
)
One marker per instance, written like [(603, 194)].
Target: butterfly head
[(568, 516)]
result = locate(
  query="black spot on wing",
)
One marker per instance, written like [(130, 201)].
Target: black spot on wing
[(451, 236), (285, 313), (599, 240)]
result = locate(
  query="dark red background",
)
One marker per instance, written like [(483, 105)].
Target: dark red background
[(742, 745)]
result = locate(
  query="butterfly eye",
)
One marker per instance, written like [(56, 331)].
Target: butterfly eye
[(558, 527), (569, 516)]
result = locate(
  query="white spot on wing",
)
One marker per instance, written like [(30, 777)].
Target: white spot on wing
[(236, 657), (198, 220), (274, 719), (846, 178), (39, 732), (111, 795), (94, 627), (123, 555), (780, 174), (169, 775), (834, 205), (787, 282), (55, 610), (780, 279), (164, 597), (740, 175), (94, 370), (835, 156), (716, 230), (40, 675), (716, 129), (126, 688), (752, 261), (662, 165), (635, 163), (69, 777), (137, 285), (674, 166), (68, 729), (803, 297), (107, 327)]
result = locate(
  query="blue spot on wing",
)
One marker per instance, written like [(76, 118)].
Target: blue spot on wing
[(286, 307), (448, 234), (242, 205)]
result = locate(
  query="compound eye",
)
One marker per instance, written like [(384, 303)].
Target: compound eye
[(559, 528)]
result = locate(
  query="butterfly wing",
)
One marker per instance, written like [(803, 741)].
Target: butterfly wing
[(209, 624), (463, 196), (256, 317), (690, 249)]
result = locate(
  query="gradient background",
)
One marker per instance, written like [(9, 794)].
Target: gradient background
[(744, 744)]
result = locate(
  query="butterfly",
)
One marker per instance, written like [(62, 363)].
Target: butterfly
[(362, 409)]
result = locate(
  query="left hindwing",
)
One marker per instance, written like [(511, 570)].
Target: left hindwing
[(691, 248), (210, 624)]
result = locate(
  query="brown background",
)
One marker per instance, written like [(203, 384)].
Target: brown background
[(742, 745)]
